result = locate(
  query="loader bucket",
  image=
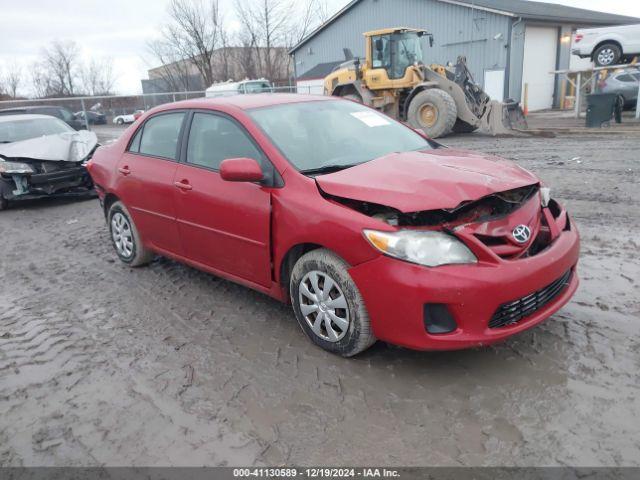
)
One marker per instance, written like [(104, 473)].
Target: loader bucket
[(503, 118), (513, 116)]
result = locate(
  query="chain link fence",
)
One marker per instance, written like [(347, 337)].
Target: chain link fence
[(109, 109)]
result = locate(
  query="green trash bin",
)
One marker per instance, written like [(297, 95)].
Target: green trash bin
[(601, 108)]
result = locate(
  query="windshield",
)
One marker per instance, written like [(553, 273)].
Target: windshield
[(18, 130), (316, 135)]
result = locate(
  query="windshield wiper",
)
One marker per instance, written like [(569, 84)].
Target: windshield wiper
[(328, 168)]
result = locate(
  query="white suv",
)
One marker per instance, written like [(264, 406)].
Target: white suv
[(607, 45)]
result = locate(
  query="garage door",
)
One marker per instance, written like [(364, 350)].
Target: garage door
[(540, 50)]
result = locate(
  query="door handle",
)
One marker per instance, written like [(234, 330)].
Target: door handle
[(124, 170), (183, 185)]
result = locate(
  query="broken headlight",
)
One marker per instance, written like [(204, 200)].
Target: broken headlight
[(429, 248), (15, 167)]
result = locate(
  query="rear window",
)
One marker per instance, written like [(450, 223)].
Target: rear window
[(160, 135)]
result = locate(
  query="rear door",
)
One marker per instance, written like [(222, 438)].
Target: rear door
[(145, 184), (223, 225)]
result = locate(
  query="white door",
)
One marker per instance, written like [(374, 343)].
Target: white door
[(540, 51), (494, 84)]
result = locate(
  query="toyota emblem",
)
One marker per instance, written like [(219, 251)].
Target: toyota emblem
[(521, 233)]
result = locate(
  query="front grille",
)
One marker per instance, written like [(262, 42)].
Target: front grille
[(512, 312)]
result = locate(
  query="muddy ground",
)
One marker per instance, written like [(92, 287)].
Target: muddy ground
[(165, 365)]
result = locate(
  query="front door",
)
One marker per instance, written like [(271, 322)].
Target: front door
[(145, 183), (224, 225)]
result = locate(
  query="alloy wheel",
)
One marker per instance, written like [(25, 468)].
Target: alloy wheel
[(324, 306), (606, 56), (122, 235)]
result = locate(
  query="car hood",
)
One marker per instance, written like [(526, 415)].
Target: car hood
[(427, 180), (62, 147)]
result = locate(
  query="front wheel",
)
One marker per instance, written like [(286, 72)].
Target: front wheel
[(433, 111), (328, 305), (120, 121)]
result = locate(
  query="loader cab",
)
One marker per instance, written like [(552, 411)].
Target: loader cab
[(390, 54)]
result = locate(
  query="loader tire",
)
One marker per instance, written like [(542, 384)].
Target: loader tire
[(463, 127), (433, 111)]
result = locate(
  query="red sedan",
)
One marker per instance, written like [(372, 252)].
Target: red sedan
[(369, 229)]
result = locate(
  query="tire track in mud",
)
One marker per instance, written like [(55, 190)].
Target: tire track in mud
[(59, 336)]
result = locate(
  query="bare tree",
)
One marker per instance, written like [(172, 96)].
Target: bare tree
[(273, 26), (12, 79), (174, 71), (194, 33), (57, 72), (40, 80), (98, 77)]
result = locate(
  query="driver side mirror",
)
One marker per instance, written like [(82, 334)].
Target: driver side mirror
[(241, 170)]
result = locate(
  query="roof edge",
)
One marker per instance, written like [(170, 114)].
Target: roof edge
[(541, 17)]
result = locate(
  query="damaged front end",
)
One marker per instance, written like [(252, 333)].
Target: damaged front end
[(46, 166), (486, 224)]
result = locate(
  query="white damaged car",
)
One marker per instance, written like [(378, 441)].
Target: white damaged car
[(42, 156)]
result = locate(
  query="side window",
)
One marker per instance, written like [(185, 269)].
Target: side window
[(160, 135), (214, 138), (135, 143)]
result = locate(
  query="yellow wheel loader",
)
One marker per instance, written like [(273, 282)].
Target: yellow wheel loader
[(435, 99)]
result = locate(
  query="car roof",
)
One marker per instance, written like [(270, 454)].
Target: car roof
[(249, 101), (24, 116)]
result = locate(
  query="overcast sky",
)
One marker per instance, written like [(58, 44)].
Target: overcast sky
[(121, 29)]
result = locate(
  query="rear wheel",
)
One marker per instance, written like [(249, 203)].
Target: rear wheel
[(607, 54), (328, 304), (125, 237), (433, 111), (4, 203)]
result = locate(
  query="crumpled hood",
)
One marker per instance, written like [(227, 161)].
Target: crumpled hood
[(428, 180), (63, 147)]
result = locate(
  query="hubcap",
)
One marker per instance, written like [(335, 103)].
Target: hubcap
[(428, 115), (606, 56), (323, 306), (122, 236)]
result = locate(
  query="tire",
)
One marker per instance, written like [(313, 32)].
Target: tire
[(607, 54), (4, 203), (348, 340), (440, 117), (136, 254), (463, 127), (120, 121)]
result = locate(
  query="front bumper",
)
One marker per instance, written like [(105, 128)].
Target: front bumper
[(395, 294), (26, 186)]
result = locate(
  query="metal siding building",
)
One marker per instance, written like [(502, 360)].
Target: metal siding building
[(490, 33)]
